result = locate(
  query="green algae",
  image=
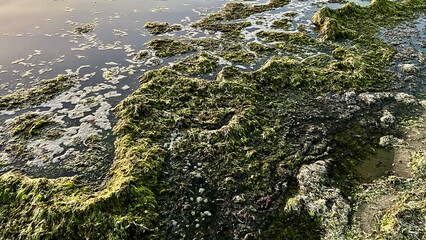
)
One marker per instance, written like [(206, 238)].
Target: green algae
[(43, 91), (142, 54), (28, 125), (234, 11), (399, 211), (156, 28), (260, 49), (218, 119), (235, 123), (164, 47), (196, 65), (85, 28), (290, 14), (356, 22), (230, 30), (284, 23), (287, 37), (208, 44), (418, 163), (318, 60), (65, 209), (297, 75), (237, 54)]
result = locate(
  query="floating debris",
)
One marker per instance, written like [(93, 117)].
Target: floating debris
[(85, 28)]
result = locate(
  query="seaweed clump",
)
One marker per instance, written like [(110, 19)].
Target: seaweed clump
[(142, 54), (156, 28), (29, 125), (208, 44), (284, 23), (225, 124), (260, 49), (237, 54), (361, 23), (233, 11), (43, 91), (196, 65), (85, 28), (298, 38), (164, 47)]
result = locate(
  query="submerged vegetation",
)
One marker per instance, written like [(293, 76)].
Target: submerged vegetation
[(28, 125), (43, 91), (247, 155)]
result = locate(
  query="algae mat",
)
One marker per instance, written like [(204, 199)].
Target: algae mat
[(208, 151)]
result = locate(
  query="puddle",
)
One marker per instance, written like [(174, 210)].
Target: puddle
[(380, 164)]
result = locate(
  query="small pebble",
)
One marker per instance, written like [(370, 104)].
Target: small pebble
[(207, 213)]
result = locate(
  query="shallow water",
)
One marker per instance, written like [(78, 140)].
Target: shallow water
[(43, 33)]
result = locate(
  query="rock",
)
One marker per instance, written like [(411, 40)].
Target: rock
[(321, 198), (390, 141), (350, 97), (405, 98), (372, 98), (237, 199), (206, 213), (408, 68), (387, 118)]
